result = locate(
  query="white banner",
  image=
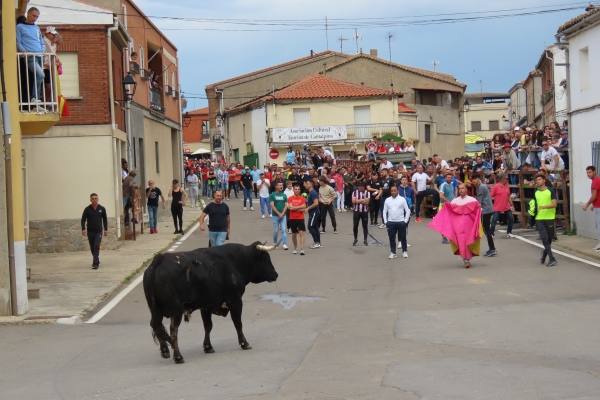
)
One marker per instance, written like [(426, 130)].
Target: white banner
[(309, 134)]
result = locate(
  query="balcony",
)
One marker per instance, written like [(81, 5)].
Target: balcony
[(39, 89), (368, 131), (156, 100)]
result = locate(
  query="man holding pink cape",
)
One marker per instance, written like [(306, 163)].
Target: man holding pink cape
[(460, 222)]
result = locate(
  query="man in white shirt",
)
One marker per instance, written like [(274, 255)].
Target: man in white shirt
[(385, 164), (420, 181), (551, 160), (396, 215), (263, 185), (192, 181)]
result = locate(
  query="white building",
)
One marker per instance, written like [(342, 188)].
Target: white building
[(486, 114), (517, 108), (582, 35)]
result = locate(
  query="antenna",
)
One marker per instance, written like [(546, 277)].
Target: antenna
[(326, 32), (356, 38), (481, 86), (435, 65), (342, 39), (389, 38)]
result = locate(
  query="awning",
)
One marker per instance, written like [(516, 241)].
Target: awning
[(201, 151)]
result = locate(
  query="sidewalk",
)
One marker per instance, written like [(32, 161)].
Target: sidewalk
[(69, 287)]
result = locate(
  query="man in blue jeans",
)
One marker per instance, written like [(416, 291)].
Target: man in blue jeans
[(218, 220), (247, 186), (31, 40), (279, 207), (153, 194)]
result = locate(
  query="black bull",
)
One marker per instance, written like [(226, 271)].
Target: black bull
[(212, 280)]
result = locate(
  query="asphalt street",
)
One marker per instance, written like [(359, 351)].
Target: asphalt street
[(342, 322)]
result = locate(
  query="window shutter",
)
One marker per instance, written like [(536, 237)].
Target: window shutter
[(69, 80)]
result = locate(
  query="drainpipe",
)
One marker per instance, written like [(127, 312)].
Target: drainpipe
[(7, 131), (111, 94), (181, 169), (567, 65)]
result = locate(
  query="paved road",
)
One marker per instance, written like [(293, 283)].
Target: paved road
[(343, 323)]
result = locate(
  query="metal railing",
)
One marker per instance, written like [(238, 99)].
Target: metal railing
[(156, 101), (38, 91), (368, 131)]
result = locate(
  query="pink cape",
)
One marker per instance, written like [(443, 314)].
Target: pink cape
[(460, 222)]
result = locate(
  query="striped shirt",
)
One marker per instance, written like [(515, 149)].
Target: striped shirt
[(360, 196)]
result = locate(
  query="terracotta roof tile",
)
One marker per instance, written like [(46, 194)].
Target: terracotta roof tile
[(199, 111), (324, 87), (590, 10), (403, 108)]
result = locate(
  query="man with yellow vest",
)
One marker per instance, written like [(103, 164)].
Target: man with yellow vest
[(545, 214)]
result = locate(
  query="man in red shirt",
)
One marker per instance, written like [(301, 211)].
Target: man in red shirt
[(594, 201), (297, 207)]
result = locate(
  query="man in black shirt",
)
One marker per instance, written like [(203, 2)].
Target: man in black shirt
[(218, 220), (374, 187), (386, 191), (93, 221), (247, 186)]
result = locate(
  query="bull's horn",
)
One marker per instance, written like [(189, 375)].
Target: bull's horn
[(264, 247)]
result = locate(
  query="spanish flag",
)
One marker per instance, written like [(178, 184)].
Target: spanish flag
[(63, 108)]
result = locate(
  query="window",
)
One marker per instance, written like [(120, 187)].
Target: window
[(475, 126), (156, 157), (427, 133), (427, 98), (134, 156), (69, 80), (362, 115), (584, 69), (494, 125), (301, 117)]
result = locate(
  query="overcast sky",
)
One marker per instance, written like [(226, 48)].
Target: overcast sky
[(491, 54)]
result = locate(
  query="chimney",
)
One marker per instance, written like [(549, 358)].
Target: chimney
[(373, 53)]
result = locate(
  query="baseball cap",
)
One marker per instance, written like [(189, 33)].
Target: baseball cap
[(52, 30), (517, 128), (507, 145)]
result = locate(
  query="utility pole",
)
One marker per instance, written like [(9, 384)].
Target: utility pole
[(342, 39)]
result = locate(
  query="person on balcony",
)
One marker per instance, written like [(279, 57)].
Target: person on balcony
[(31, 40)]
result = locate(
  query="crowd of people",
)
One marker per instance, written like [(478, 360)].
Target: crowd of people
[(304, 192)]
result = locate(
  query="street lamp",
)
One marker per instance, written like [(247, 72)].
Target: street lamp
[(129, 85)]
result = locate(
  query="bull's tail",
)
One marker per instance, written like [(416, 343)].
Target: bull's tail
[(158, 329)]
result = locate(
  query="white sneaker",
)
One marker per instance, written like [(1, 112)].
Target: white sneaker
[(315, 246), (392, 256), (251, 208), (284, 247), (294, 252), (407, 245), (244, 208), (262, 216), (404, 254)]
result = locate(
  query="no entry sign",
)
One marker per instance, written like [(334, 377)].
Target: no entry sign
[(274, 154)]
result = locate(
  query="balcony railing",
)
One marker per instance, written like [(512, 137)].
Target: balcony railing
[(156, 101), (38, 90), (368, 131)]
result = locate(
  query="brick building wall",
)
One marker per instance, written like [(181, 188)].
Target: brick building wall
[(90, 44)]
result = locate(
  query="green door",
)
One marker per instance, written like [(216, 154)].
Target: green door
[(251, 160)]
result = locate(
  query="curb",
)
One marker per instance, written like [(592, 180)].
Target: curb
[(82, 316)]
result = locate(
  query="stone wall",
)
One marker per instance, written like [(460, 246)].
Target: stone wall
[(65, 235)]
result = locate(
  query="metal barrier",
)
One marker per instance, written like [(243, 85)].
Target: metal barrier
[(38, 91)]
